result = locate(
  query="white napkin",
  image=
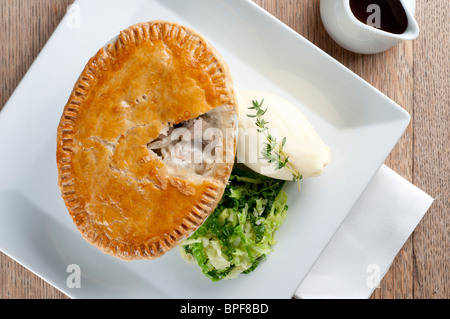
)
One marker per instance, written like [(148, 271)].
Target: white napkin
[(363, 248)]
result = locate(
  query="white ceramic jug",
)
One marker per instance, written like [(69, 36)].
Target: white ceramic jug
[(356, 36)]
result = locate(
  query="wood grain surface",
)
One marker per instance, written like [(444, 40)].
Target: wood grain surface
[(415, 74)]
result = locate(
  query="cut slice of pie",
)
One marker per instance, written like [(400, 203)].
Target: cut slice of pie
[(146, 142)]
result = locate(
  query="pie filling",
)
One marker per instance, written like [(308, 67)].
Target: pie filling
[(193, 145)]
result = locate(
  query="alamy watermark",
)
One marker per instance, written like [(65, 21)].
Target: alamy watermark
[(374, 19), (374, 276), (74, 279), (73, 18)]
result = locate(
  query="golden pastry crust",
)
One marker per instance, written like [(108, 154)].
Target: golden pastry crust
[(123, 198)]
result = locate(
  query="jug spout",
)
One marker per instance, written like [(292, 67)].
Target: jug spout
[(412, 31)]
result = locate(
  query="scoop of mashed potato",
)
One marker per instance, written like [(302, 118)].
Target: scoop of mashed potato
[(307, 152)]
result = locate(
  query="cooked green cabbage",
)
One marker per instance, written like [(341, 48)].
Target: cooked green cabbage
[(239, 233)]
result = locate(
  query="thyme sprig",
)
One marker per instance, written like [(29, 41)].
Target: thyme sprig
[(273, 150)]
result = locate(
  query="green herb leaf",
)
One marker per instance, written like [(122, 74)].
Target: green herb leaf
[(273, 150)]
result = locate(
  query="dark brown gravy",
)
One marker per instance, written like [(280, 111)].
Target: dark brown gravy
[(392, 15)]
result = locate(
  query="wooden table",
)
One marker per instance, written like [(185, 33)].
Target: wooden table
[(414, 74)]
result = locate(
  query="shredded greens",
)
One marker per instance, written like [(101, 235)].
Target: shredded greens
[(239, 233)]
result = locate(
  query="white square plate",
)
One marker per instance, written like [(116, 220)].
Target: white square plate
[(360, 124)]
